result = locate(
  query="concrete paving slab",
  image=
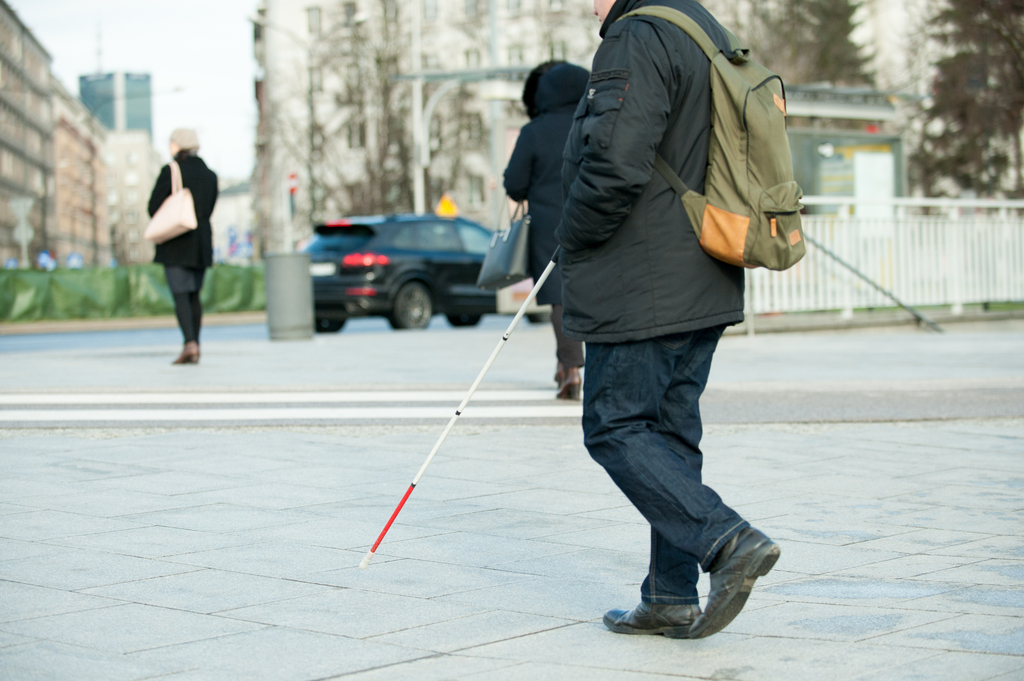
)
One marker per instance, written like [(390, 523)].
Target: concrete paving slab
[(75, 569), (127, 628), (975, 600), (206, 591), (25, 601), (50, 660), (355, 613), (1005, 546), (272, 654), (978, 633), (437, 667), (470, 631), (43, 525), (960, 666), (417, 578), (829, 622), (855, 591), (152, 542), (727, 656)]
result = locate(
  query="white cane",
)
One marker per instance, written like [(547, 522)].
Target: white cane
[(458, 412)]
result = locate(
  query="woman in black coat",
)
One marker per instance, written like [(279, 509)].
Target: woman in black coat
[(186, 257), (534, 174)]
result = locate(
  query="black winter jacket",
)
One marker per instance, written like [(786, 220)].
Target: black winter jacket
[(194, 248), (632, 266), (534, 172)]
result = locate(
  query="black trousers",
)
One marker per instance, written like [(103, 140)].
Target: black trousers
[(569, 351), (185, 284), (189, 311)]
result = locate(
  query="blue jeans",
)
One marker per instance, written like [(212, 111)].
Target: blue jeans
[(641, 421)]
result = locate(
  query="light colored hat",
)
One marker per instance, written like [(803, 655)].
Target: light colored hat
[(186, 139)]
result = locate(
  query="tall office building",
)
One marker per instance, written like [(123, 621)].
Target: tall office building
[(121, 101), (123, 104)]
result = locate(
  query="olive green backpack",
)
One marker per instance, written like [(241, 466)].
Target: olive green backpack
[(749, 214)]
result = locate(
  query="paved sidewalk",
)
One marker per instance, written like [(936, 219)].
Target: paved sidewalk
[(231, 553)]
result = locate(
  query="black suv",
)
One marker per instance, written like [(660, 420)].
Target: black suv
[(403, 267)]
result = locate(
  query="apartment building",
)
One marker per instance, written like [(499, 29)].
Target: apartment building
[(81, 235), (26, 139)]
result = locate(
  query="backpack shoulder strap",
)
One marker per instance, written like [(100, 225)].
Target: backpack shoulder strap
[(693, 29)]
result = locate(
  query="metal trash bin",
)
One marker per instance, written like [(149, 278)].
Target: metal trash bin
[(289, 296)]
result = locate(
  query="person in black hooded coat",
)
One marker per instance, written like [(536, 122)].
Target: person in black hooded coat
[(534, 174)]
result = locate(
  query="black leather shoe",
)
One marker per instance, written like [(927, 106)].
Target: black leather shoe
[(744, 558), (673, 621)]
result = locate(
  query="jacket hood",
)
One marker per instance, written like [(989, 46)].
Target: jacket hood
[(561, 87)]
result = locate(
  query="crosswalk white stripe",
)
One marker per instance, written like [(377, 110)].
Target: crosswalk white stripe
[(363, 397), (286, 414)]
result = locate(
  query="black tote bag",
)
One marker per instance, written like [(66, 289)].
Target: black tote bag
[(507, 257)]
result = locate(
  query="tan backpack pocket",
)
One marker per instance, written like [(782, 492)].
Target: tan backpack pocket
[(778, 242), (723, 235)]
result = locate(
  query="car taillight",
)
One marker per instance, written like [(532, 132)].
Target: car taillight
[(361, 291), (364, 260)]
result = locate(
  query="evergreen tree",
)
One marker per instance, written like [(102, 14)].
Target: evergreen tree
[(972, 131), (829, 54)]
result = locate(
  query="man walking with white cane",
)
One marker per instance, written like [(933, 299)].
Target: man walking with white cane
[(651, 306)]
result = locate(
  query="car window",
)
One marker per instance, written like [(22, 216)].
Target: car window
[(405, 237), (476, 239), (438, 236), (342, 239)]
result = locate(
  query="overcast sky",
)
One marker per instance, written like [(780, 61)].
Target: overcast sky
[(202, 47)]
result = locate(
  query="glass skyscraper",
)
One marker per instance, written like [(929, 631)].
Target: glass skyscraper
[(121, 101)]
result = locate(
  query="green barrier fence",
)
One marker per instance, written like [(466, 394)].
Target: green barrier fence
[(133, 291)]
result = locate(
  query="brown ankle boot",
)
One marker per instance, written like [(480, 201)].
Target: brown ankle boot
[(559, 374), (571, 385), (189, 354)]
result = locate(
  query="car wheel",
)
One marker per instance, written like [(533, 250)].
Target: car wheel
[(539, 317), (322, 325), (463, 319), (413, 307)]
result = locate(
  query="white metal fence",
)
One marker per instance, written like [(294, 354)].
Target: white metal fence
[(926, 252)]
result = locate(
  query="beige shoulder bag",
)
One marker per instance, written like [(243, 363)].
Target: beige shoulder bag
[(176, 216)]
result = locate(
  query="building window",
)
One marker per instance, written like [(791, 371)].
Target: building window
[(132, 236), (356, 133), (430, 61), (556, 5), (472, 8), (114, 216), (473, 59), (429, 10), (131, 158), (350, 13), (316, 79), (391, 10), (514, 6), (558, 50), (131, 217), (131, 197), (112, 198), (313, 15), (476, 190), (515, 55), (131, 178)]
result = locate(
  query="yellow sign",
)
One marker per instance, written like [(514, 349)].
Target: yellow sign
[(446, 207)]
